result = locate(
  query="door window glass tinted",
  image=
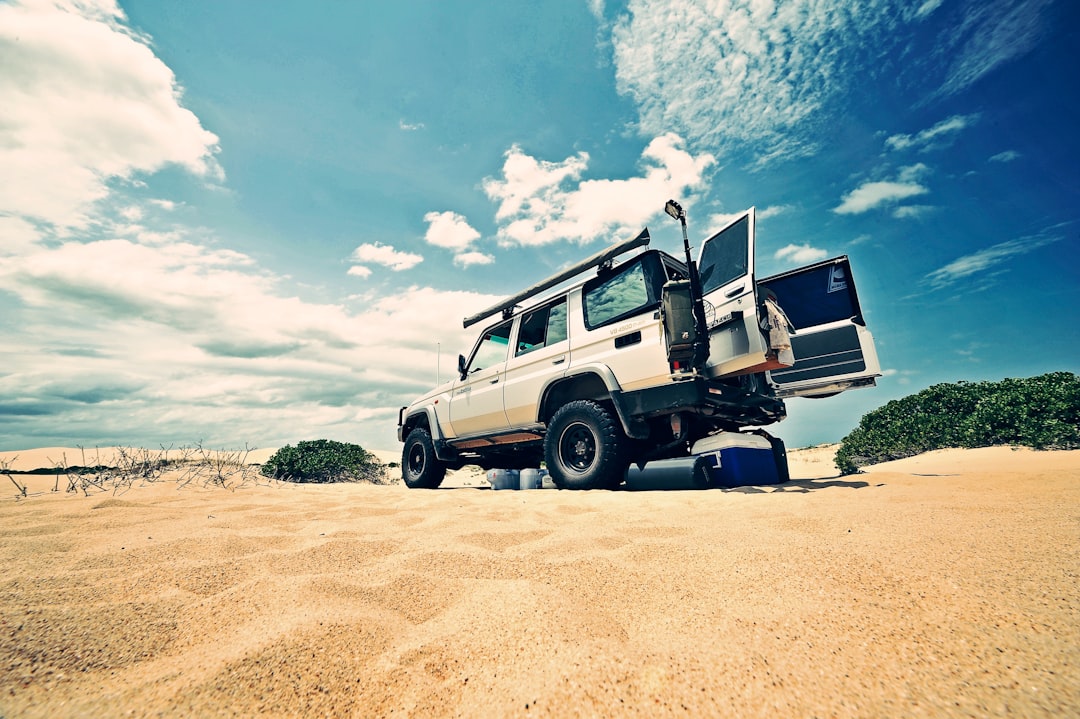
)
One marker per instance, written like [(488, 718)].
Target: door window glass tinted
[(542, 327), (725, 256)]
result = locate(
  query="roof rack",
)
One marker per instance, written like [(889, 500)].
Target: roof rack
[(598, 260)]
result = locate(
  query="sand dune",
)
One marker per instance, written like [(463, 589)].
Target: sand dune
[(941, 585)]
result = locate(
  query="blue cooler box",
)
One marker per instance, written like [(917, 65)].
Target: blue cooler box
[(737, 460)]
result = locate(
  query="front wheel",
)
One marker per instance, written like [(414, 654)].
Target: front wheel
[(585, 447), (420, 468)]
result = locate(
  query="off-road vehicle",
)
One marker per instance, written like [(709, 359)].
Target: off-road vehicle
[(638, 359)]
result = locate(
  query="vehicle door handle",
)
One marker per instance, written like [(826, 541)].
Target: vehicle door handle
[(734, 291), (494, 381), (559, 360)]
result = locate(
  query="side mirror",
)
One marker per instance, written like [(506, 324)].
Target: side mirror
[(461, 366)]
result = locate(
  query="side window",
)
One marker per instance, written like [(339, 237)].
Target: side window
[(491, 351), (724, 257), (618, 296), (542, 327)]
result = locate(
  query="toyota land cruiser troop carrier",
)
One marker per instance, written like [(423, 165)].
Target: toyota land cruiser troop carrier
[(639, 360)]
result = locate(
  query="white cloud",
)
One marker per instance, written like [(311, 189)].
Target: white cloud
[(871, 195), (410, 126), (912, 211), (940, 135), (927, 7), (761, 77), (210, 346), (124, 326), (85, 102), (874, 194), (543, 202), (449, 230), (452, 231), (17, 235), (466, 259), (385, 255), (801, 254), (989, 35), (990, 258), (360, 271), (767, 212), (1006, 156), (748, 73)]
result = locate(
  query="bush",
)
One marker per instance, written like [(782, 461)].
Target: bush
[(1040, 412), (324, 460)]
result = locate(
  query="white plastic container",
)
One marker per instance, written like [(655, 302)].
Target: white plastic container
[(532, 478), (503, 478), (726, 440)]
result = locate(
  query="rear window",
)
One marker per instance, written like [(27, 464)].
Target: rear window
[(632, 289), (725, 256)]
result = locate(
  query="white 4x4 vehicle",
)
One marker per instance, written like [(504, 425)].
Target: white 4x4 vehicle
[(639, 360)]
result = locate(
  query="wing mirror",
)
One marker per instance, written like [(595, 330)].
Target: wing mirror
[(461, 366)]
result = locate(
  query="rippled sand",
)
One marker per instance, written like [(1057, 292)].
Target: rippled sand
[(942, 585)]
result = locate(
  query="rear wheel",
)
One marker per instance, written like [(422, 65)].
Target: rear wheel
[(420, 468), (585, 447)]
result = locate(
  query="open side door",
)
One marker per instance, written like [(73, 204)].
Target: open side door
[(834, 351), (726, 266)]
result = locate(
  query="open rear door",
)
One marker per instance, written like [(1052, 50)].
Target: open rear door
[(834, 351), (726, 266)]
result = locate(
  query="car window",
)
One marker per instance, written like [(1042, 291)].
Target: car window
[(618, 296), (542, 327), (491, 351), (725, 256)]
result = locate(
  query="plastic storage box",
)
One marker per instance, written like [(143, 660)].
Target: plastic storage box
[(737, 460)]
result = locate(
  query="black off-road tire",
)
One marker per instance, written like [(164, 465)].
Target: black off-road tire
[(420, 468), (585, 447)]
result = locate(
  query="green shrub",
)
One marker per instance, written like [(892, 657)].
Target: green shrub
[(324, 460), (1041, 412)]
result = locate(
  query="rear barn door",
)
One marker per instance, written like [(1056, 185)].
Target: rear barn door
[(726, 266), (834, 351)]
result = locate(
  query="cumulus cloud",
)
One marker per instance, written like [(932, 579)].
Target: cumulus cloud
[(453, 232), (86, 102), (801, 254), (541, 202), (449, 230), (385, 255), (465, 259), (208, 344), (940, 135)]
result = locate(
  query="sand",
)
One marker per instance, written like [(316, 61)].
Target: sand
[(942, 585)]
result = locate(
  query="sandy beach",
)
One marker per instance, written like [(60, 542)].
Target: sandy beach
[(940, 585)]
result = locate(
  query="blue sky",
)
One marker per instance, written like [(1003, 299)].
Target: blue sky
[(258, 223)]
